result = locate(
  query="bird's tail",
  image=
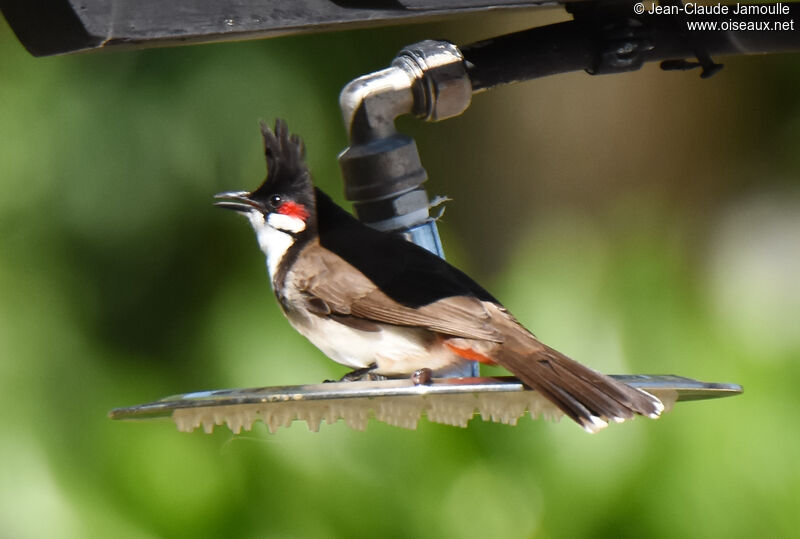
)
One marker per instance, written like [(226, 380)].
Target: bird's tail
[(590, 398)]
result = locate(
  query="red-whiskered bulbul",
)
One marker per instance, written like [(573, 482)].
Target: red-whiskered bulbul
[(372, 300)]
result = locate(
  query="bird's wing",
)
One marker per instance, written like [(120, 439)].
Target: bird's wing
[(346, 292)]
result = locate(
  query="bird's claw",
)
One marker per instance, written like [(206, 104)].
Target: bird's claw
[(365, 373)]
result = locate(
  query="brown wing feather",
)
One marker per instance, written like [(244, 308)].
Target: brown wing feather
[(459, 316), (347, 291), (581, 392)]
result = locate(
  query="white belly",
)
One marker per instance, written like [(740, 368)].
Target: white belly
[(394, 349)]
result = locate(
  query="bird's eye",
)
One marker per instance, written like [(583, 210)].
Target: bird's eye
[(275, 201)]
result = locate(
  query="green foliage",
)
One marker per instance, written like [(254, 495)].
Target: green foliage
[(120, 284)]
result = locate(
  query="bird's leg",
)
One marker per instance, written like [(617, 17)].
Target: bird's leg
[(364, 373)]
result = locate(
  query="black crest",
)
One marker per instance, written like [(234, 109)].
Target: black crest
[(287, 172)]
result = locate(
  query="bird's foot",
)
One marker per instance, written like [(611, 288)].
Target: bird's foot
[(365, 373)]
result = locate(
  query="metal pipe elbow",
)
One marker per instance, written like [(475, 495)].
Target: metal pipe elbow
[(371, 103), (427, 79), (382, 172)]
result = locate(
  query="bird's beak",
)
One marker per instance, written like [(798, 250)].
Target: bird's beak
[(237, 201)]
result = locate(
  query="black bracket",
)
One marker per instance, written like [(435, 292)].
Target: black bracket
[(620, 40), (608, 37), (622, 47), (704, 60)]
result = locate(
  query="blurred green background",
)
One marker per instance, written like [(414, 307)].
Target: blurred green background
[(641, 223)]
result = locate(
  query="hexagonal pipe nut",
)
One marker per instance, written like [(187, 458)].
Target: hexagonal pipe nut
[(442, 88)]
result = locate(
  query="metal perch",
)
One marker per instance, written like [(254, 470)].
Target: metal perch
[(452, 401)]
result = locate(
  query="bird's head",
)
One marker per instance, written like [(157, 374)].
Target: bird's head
[(285, 202)]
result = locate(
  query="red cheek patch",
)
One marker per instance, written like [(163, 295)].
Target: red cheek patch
[(293, 209)]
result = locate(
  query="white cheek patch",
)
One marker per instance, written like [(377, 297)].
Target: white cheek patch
[(286, 222), (273, 242), (256, 218)]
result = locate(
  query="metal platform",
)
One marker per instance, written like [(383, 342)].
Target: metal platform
[(453, 401)]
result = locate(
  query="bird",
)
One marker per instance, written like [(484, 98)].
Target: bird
[(377, 303)]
